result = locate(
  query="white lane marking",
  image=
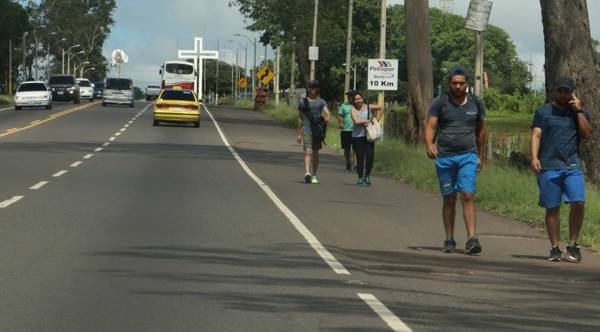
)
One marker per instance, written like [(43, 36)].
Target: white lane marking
[(59, 173), (312, 240), (123, 129), (106, 144), (77, 163), (392, 320), (10, 201), (111, 139), (117, 134), (88, 156), (97, 149), (38, 185)]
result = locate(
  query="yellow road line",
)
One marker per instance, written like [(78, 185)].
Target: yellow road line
[(50, 117)]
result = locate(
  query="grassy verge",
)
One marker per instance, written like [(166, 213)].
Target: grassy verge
[(6, 100), (505, 190)]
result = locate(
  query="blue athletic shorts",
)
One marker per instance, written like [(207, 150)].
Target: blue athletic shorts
[(457, 173), (559, 184)]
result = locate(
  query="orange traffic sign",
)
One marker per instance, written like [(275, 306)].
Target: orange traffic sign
[(265, 75)]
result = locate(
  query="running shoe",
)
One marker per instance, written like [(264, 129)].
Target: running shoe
[(449, 245), (367, 181), (348, 167), (574, 252), (473, 246), (307, 177), (555, 254), (314, 180), (360, 182)]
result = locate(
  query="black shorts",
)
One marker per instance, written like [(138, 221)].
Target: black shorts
[(346, 139)]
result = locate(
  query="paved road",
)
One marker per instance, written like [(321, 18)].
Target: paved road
[(110, 224)]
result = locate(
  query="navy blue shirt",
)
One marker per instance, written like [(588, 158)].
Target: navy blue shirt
[(559, 144), (457, 125)]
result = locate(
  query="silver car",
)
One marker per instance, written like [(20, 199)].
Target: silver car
[(33, 94), (118, 90), (86, 89)]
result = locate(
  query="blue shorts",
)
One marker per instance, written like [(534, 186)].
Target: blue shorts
[(457, 173), (559, 184)]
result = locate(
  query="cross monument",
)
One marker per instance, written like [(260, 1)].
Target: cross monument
[(198, 53)]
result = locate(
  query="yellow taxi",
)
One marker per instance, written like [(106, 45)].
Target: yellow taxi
[(177, 106)]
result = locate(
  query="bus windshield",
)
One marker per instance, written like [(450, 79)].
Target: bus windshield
[(178, 74)]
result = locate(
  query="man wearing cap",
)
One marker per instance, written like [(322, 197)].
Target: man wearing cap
[(556, 132), (346, 126), (312, 111), (456, 119)]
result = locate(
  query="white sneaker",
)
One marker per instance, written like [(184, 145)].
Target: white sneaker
[(314, 179)]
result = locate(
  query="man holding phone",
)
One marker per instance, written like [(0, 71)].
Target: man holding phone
[(556, 132)]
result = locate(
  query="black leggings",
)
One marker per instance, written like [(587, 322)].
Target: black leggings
[(363, 149)]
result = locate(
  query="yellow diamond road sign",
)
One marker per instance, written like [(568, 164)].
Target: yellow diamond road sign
[(265, 75), (242, 82)]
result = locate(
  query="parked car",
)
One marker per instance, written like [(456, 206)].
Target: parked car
[(33, 94), (98, 87), (64, 87), (118, 90), (177, 106), (86, 89)]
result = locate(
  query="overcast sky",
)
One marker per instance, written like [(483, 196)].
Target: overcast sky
[(151, 31)]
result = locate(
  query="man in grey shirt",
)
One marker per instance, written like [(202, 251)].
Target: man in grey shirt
[(456, 118)]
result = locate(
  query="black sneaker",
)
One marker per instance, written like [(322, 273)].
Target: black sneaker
[(473, 246), (574, 252), (449, 245), (555, 254), (348, 167)]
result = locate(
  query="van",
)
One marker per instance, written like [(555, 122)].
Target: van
[(118, 90)]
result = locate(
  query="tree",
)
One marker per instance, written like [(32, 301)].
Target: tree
[(569, 52), (420, 79), (13, 23), (72, 22)]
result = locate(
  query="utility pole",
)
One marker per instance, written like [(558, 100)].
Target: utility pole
[(314, 41), (382, 37), (349, 52)]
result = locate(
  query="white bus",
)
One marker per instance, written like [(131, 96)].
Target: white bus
[(177, 74)]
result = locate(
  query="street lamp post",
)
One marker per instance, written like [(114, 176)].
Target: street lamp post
[(24, 54), (36, 50), (253, 68), (63, 56), (86, 69), (69, 57), (81, 65)]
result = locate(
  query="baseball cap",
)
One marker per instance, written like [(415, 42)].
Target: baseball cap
[(458, 70), (564, 82), (312, 84)]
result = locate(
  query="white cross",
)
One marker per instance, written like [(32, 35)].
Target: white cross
[(198, 53)]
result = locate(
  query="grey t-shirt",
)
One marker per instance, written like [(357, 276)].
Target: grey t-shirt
[(457, 125), (316, 107)]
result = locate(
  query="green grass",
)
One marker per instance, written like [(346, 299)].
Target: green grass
[(505, 190), (507, 122), (6, 100)]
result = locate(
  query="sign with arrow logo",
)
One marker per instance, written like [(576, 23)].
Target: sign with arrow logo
[(265, 75), (383, 74)]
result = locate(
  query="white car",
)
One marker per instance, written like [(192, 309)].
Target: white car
[(86, 89), (33, 94)]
